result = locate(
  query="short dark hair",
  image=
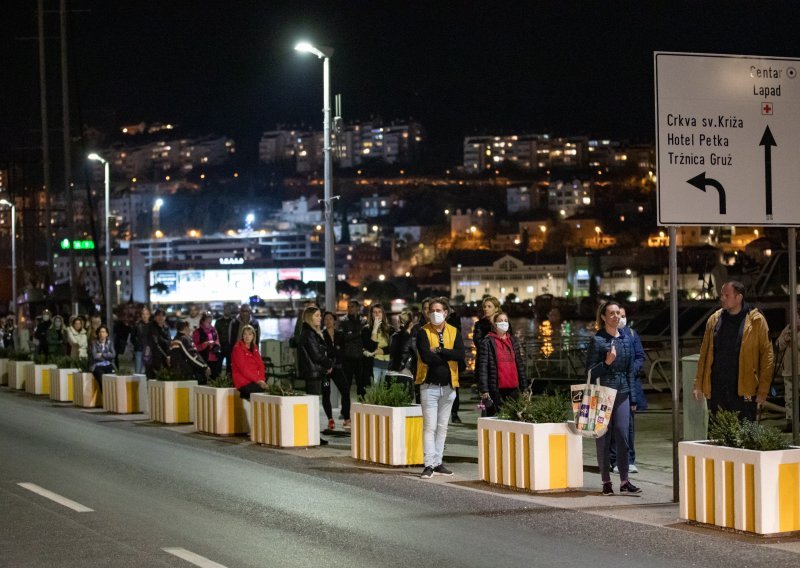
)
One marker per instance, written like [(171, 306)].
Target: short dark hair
[(445, 302), (159, 312), (354, 303), (181, 325), (99, 329), (737, 286)]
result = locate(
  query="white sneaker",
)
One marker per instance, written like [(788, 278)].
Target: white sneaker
[(614, 470), (633, 469)]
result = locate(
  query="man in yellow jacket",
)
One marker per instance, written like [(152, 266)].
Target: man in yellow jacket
[(735, 367), (440, 348)]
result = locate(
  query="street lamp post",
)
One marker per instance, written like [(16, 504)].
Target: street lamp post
[(325, 53), (107, 275), (14, 267)]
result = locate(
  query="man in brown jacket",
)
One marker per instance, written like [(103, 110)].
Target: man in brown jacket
[(735, 367)]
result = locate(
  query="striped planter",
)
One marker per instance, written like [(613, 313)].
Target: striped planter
[(122, 394), (536, 457), (285, 421), (61, 385), (171, 402), (39, 383), (748, 490), (85, 390), (386, 434), (219, 411), (3, 371), (17, 373)]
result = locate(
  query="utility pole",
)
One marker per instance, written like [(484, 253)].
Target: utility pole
[(73, 293), (48, 237)]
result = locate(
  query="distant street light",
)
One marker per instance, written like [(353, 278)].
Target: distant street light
[(14, 266), (107, 276), (157, 205), (248, 222), (325, 53)]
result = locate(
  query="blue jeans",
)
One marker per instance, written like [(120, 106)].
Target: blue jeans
[(379, 372), (138, 363), (620, 422), (436, 403), (631, 445)]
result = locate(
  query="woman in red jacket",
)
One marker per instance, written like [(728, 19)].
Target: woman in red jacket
[(248, 367)]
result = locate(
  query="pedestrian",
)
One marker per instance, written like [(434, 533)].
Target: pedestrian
[(313, 363), (183, 357), (352, 348), (139, 340), (122, 333), (56, 338), (95, 321), (9, 327), (157, 346), (334, 345), (784, 345), (611, 358), (102, 356), (206, 341), (641, 401), (193, 319), (734, 371), (223, 327), (501, 365), (294, 341), (489, 307), (440, 349), (375, 338), (421, 321), (249, 375), (402, 356), (237, 325), (40, 333), (77, 339)]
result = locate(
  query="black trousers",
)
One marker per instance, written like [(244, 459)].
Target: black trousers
[(99, 371), (248, 389)]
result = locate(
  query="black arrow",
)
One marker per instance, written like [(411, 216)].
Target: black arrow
[(768, 142), (701, 181)]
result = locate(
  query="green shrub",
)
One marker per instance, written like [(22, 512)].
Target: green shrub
[(725, 429), (17, 355), (167, 374), (221, 382), (4, 352), (396, 395), (66, 362), (548, 408), (756, 436), (41, 359), (282, 388)]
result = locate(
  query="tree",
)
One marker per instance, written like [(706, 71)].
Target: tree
[(291, 287), (511, 298)]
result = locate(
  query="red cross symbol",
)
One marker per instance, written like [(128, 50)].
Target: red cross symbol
[(766, 108)]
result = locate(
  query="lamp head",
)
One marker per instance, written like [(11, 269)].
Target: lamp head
[(321, 52), (96, 158), (6, 202)]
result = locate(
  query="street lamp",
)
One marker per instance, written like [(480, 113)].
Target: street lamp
[(325, 53), (159, 203), (14, 266), (107, 180)]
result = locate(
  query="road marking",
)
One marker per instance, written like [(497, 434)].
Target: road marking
[(69, 503), (193, 558)]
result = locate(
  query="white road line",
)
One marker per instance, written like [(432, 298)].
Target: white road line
[(56, 497), (193, 558)]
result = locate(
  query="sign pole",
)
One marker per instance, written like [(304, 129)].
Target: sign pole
[(793, 325), (676, 354)]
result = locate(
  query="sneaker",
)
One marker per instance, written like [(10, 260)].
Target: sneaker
[(629, 488), (323, 442), (427, 473), (441, 470), (608, 489), (633, 469), (331, 425), (614, 469), (455, 419), (346, 425)]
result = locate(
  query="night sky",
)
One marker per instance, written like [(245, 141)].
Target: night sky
[(459, 67)]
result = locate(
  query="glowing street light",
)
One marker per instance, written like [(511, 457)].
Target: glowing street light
[(107, 183)]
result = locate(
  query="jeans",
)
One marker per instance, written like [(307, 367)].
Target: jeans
[(436, 402), (379, 372), (631, 445), (138, 362), (620, 421)]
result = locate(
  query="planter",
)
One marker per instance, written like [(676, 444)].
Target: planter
[(748, 490), (85, 390), (219, 411), (386, 434), (62, 385), (3, 371), (39, 383), (536, 457), (17, 372), (285, 421), (171, 402), (122, 394)]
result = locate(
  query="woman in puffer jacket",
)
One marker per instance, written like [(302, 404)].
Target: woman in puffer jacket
[(501, 366), (313, 362)]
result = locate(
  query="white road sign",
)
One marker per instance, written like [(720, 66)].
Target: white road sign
[(728, 138)]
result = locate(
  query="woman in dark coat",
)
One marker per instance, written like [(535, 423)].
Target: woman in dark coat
[(313, 363), (334, 343), (501, 366)]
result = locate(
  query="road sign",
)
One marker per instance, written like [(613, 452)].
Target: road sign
[(728, 139)]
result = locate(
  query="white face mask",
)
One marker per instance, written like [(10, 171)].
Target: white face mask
[(437, 318), (502, 326), (623, 322)]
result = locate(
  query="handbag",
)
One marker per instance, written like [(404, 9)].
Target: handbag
[(592, 405)]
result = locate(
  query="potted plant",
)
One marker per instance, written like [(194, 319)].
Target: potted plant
[(528, 445), (284, 417), (61, 380), (219, 409), (39, 382), (124, 394), (387, 426), (170, 398), (19, 362), (85, 390), (745, 476)]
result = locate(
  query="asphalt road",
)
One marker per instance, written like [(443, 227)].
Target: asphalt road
[(237, 504)]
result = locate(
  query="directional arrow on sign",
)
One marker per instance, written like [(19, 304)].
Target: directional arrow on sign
[(768, 142), (701, 181)]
